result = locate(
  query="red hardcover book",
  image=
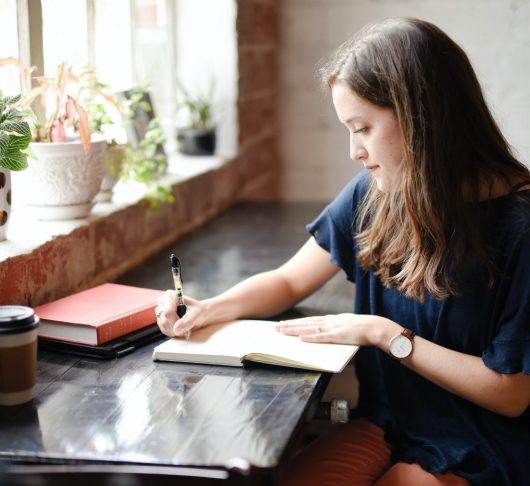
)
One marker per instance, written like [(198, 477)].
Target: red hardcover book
[(98, 315)]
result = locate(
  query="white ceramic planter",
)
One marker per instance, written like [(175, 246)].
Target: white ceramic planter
[(5, 201), (62, 184)]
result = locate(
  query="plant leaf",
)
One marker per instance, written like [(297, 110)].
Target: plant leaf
[(28, 71), (70, 111), (10, 61), (28, 99), (29, 114), (107, 97), (58, 134), (45, 81), (29, 153), (4, 142), (84, 130), (22, 134), (10, 100), (60, 72), (13, 159), (13, 115)]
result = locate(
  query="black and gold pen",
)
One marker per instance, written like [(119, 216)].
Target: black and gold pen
[(176, 268)]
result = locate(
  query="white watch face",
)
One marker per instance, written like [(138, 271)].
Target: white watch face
[(400, 346)]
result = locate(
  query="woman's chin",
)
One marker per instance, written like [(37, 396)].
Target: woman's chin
[(382, 185)]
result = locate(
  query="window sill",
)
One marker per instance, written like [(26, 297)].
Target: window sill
[(27, 233), (45, 260)]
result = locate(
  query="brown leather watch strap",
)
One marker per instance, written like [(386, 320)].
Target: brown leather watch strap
[(408, 333)]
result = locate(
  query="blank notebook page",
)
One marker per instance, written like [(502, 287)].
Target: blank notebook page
[(250, 337)]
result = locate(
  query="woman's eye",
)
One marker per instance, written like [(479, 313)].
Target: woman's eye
[(361, 130)]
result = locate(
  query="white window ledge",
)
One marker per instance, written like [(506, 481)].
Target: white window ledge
[(26, 233)]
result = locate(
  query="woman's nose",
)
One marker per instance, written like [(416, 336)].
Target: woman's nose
[(357, 152)]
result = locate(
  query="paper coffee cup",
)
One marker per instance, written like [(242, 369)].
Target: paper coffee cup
[(18, 354)]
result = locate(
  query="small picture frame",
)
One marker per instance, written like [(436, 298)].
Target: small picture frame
[(137, 127)]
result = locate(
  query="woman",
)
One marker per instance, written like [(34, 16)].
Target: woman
[(436, 236)]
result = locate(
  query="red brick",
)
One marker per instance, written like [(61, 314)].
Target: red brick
[(260, 159), (167, 219), (13, 286), (256, 115), (257, 71), (60, 267), (266, 190), (198, 196), (119, 237), (257, 23), (227, 184)]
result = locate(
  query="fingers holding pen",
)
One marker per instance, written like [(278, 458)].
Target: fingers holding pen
[(190, 320), (165, 312), (170, 307)]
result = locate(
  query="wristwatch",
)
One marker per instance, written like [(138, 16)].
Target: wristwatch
[(400, 346)]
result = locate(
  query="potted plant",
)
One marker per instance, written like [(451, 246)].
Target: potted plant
[(15, 136), (198, 138), (105, 119), (145, 164), (141, 162), (68, 174)]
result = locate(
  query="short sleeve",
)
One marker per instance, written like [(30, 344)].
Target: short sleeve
[(334, 229), (509, 350)]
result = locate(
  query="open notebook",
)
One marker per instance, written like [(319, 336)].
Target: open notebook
[(233, 342)]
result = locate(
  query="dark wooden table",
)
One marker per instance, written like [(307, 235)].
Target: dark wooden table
[(135, 411)]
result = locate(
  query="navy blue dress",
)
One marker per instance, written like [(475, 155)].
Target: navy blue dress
[(423, 422)]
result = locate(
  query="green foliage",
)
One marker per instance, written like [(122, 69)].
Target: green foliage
[(15, 134), (146, 164), (136, 100), (97, 111), (199, 107)]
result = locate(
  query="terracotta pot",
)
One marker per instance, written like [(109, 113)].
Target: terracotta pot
[(62, 184)]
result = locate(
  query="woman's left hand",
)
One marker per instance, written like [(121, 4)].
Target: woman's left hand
[(358, 329)]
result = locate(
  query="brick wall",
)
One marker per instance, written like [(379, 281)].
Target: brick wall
[(109, 246), (257, 29)]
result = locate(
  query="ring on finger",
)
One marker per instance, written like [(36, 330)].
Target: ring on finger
[(317, 330), (158, 314)]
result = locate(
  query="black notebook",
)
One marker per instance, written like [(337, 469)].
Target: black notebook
[(112, 349)]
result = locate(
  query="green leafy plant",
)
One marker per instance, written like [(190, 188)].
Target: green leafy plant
[(15, 134), (146, 164), (200, 107), (143, 164)]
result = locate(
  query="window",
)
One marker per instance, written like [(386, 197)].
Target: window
[(125, 41), (9, 78), (153, 53), (64, 34), (129, 41), (112, 43)]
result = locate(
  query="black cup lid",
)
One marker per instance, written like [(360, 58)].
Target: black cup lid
[(17, 318)]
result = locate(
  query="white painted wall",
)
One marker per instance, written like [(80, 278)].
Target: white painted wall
[(314, 145), (206, 48)]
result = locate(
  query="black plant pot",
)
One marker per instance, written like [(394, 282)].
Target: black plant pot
[(193, 141)]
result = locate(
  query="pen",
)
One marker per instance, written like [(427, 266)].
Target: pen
[(176, 269)]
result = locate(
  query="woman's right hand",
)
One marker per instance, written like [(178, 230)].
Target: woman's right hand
[(169, 322)]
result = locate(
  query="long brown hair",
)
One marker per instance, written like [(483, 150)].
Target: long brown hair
[(421, 235)]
